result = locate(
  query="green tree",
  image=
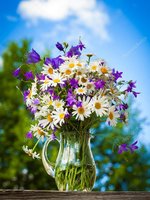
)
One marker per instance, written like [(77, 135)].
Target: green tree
[(17, 170)]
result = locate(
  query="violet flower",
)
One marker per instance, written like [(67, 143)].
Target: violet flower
[(40, 77), (99, 84), (70, 99), (116, 74), (60, 46), (25, 94), (29, 75), (29, 135), (74, 83), (123, 106), (33, 57), (122, 148), (16, 72), (55, 62), (133, 146)]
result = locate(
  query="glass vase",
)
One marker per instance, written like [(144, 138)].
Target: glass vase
[(75, 168)]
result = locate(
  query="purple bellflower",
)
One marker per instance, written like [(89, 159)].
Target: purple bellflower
[(33, 57), (29, 135), (116, 74), (60, 46), (99, 84), (55, 62), (16, 72), (29, 75)]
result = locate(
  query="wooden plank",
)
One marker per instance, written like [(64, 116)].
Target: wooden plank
[(55, 195)]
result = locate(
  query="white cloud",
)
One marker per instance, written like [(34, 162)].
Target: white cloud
[(89, 14)]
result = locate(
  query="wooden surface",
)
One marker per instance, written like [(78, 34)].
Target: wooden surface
[(55, 195)]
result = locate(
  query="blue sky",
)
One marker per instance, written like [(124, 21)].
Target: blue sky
[(117, 31)]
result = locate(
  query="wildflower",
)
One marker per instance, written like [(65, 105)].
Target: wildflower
[(122, 148), (113, 115), (33, 57), (133, 146), (29, 75), (30, 152), (16, 72), (116, 74), (100, 105), (55, 62), (60, 46), (29, 135), (99, 84)]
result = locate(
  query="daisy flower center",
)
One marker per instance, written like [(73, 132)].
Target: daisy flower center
[(40, 132), (30, 94), (104, 70), (80, 90), (58, 104), (111, 115), (98, 105), (61, 115), (68, 72), (81, 110), (50, 103), (46, 81), (83, 80), (71, 65), (79, 73), (89, 86), (57, 80), (49, 118), (94, 67), (50, 71), (79, 65)]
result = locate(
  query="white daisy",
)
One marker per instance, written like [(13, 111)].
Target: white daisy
[(90, 87), (80, 90), (32, 93), (112, 116), (38, 132), (59, 116), (71, 63), (45, 84), (100, 105), (81, 72), (94, 66), (57, 79), (47, 121), (84, 111), (104, 70), (48, 70), (46, 100), (83, 80), (30, 152), (58, 104)]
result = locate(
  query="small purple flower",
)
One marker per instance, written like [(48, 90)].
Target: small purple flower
[(33, 109), (25, 94), (81, 46), (123, 117), (53, 136), (79, 104), (36, 101), (74, 51), (40, 77), (74, 83), (133, 146), (135, 93), (122, 148), (29, 135), (130, 87), (123, 106), (99, 84), (55, 62), (67, 115), (116, 74), (29, 75), (33, 57), (16, 72), (60, 46), (70, 99)]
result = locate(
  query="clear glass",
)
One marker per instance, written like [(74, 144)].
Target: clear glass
[(75, 168)]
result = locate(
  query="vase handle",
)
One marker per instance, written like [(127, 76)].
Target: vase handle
[(49, 167)]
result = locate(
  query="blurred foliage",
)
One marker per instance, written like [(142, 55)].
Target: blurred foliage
[(17, 170)]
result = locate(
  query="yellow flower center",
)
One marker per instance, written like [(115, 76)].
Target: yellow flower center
[(71, 65), (58, 104), (61, 115), (49, 118), (98, 105), (50, 70), (50, 103), (40, 132), (89, 86), (79, 65), (57, 80), (111, 115), (94, 67), (81, 110), (68, 72), (80, 90), (104, 70), (79, 73), (83, 80), (30, 94)]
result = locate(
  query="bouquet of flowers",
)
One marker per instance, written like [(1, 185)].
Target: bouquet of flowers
[(72, 92)]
